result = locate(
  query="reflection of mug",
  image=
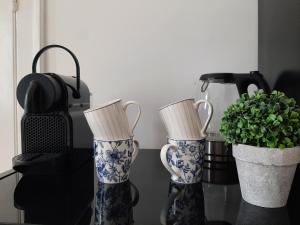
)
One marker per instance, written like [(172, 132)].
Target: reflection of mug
[(114, 203), (221, 203), (110, 122), (113, 159), (182, 119), (184, 159), (185, 205), (250, 214)]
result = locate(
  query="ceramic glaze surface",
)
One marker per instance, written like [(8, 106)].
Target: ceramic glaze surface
[(113, 159), (110, 122), (182, 120), (185, 160)]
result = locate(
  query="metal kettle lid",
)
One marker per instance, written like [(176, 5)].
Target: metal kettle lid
[(242, 80), (218, 78)]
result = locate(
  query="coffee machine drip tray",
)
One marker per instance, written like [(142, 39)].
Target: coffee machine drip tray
[(39, 162), (52, 163)]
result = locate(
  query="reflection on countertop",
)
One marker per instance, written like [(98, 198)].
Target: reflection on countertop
[(115, 202), (56, 199), (185, 205), (255, 215)]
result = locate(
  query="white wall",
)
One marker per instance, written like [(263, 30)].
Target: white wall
[(6, 86), (151, 51), (28, 38), (19, 41), (8, 213)]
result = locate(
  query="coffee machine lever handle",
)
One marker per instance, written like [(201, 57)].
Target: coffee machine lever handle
[(76, 92), (33, 102)]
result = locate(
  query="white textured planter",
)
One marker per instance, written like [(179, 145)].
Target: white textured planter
[(266, 174)]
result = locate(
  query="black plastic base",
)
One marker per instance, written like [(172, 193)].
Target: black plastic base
[(51, 163)]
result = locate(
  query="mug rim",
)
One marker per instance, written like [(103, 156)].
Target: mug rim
[(102, 183), (185, 183), (103, 105), (173, 103), (188, 139), (112, 183), (111, 140)]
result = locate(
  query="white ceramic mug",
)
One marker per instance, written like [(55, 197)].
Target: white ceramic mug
[(110, 122), (182, 119)]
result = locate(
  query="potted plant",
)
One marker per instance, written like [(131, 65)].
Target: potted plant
[(264, 130)]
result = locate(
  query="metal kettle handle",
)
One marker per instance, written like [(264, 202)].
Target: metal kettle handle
[(76, 92)]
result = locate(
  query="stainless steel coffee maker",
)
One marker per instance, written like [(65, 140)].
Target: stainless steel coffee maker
[(222, 90)]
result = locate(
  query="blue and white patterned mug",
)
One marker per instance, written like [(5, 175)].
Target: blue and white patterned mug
[(113, 159), (184, 160)]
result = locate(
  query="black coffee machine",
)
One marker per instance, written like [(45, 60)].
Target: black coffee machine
[(54, 132)]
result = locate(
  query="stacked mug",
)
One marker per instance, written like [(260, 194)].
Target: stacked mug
[(183, 157), (115, 148)]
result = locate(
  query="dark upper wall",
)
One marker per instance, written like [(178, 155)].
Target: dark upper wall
[(279, 37), (278, 54)]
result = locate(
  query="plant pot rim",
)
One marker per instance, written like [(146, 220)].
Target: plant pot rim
[(267, 156)]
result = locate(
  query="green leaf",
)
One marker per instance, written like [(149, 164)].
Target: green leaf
[(276, 123), (294, 115), (240, 124), (271, 117)]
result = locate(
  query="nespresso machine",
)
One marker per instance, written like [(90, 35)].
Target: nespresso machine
[(222, 90), (55, 135)]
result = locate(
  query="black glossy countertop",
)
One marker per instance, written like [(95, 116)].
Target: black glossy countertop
[(149, 198)]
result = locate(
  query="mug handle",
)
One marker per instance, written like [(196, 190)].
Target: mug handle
[(165, 209), (126, 104), (135, 152), (135, 195), (163, 157), (210, 113)]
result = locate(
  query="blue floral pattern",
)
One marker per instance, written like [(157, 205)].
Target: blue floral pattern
[(188, 160), (113, 160)]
